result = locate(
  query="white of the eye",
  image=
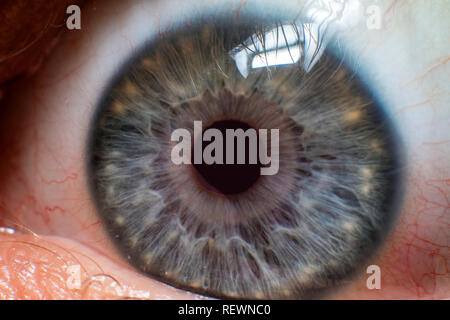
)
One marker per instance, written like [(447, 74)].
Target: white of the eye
[(390, 60)]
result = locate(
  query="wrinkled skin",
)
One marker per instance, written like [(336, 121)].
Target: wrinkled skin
[(46, 114)]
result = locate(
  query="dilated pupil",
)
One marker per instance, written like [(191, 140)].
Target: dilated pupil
[(228, 178)]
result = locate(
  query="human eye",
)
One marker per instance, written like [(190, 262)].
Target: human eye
[(72, 100)]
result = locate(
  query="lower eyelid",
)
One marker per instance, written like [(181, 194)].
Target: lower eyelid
[(49, 267)]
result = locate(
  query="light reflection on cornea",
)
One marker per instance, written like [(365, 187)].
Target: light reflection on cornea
[(7, 230), (285, 44)]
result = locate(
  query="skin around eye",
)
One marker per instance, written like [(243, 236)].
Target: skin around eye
[(43, 132)]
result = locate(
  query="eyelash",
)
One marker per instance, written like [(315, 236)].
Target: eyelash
[(328, 80)]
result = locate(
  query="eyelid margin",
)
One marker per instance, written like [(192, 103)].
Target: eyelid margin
[(60, 268)]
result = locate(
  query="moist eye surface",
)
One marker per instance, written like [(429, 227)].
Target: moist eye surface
[(225, 230)]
